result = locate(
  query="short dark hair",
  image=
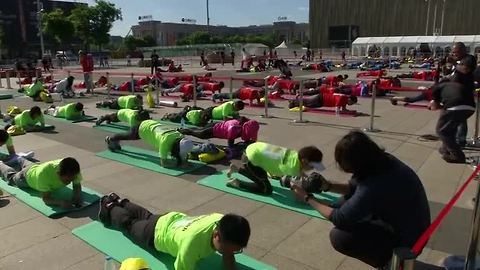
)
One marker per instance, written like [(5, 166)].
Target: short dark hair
[(4, 135), (79, 106), (310, 153), (143, 115), (354, 99), (239, 105), (139, 96), (69, 166), (356, 153), (460, 45), (221, 84), (234, 229), (35, 110)]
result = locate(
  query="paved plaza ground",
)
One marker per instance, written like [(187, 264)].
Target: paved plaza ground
[(285, 239)]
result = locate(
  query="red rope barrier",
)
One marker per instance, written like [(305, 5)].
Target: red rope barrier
[(422, 241)]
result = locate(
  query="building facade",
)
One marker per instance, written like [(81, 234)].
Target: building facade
[(167, 33), (19, 23), (372, 18)]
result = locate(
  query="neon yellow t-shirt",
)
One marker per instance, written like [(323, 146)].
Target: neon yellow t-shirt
[(189, 239), (44, 177), (159, 136), (24, 120), (33, 89), (224, 111), (275, 160), (128, 102), (69, 112), (193, 117), (128, 116)]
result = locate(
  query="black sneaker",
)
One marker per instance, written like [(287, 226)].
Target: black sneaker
[(394, 102), (98, 122), (285, 181), (104, 210), (112, 145), (452, 159)]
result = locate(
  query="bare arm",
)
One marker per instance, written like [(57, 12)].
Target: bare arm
[(11, 150), (48, 200), (77, 195)]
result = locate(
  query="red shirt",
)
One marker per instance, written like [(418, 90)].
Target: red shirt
[(272, 79), (211, 86), (248, 93), (331, 80), (87, 63), (187, 89), (335, 100)]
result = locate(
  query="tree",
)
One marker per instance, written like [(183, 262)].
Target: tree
[(149, 41), (56, 25), (103, 15), (93, 23)]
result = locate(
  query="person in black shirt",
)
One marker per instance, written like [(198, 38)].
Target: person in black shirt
[(370, 220), (154, 62), (457, 104), (222, 57), (465, 64)]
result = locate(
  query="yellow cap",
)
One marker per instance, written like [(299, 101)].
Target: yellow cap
[(134, 264)]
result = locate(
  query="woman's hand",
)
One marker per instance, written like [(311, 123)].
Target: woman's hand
[(299, 192)]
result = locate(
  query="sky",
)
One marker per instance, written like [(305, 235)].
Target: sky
[(222, 12)]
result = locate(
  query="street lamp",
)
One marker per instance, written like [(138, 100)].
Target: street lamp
[(443, 17), (39, 17), (208, 17), (435, 18), (428, 17)]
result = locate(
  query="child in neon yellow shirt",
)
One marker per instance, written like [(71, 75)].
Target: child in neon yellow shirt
[(46, 178), (71, 111), (262, 160), (187, 238)]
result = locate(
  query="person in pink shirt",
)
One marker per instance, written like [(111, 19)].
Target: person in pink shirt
[(230, 130)]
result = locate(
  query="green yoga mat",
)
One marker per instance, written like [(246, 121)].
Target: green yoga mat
[(6, 96), (47, 127), (146, 159), (34, 199), (113, 127), (281, 197), (116, 245), (85, 118)]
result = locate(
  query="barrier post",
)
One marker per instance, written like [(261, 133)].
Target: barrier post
[(37, 73), (109, 87), (403, 258), (265, 98), (231, 88), (372, 111), (195, 90), (132, 85), (470, 259), (157, 92), (7, 76), (300, 105), (19, 79), (474, 141), (1, 78)]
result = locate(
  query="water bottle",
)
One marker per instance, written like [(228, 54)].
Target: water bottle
[(109, 264), (182, 123)]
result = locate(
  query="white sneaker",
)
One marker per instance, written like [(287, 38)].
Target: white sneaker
[(29, 154)]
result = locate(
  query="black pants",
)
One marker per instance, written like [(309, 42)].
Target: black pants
[(135, 221), (153, 67), (203, 133), (109, 118), (416, 98), (111, 104), (235, 95), (315, 101), (261, 184), (370, 243), (131, 135), (447, 126)]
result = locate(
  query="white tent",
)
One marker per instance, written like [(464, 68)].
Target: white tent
[(287, 50), (400, 45)]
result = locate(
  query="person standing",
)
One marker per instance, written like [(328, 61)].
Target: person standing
[(232, 54), (463, 72), (343, 56), (153, 62), (202, 59), (458, 106), (86, 61), (222, 57)]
